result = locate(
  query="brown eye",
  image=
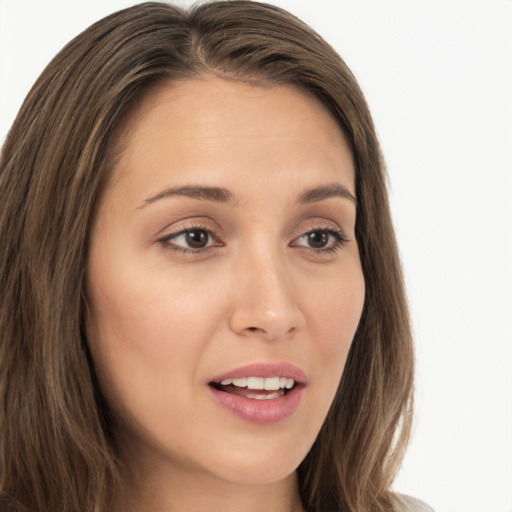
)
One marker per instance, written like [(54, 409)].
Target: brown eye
[(189, 240), (321, 240), (197, 238), (318, 239)]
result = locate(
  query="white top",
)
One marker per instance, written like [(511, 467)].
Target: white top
[(410, 504)]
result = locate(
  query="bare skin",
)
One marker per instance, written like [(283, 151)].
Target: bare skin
[(225, 238)]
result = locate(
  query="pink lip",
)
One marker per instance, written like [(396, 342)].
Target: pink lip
[(261, 411)]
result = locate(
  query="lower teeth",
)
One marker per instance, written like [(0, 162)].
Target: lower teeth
[(265, 397)]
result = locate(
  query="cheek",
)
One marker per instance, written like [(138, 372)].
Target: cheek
[(333, 312), (141, 306), (337, 309), (144, 334), (334, 317)]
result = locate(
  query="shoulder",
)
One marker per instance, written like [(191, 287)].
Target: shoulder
[(409, 504)]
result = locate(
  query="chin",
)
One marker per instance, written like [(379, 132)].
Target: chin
[(257, 474), (261, 463)]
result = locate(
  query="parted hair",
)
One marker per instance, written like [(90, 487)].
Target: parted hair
[(58, 449)]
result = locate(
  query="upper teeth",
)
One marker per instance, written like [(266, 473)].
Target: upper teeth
[(269, 383)]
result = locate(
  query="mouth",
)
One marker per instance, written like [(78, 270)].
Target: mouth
[(260, 393), (256, 388)]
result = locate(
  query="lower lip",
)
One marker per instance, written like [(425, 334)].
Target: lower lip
[(268, 411)]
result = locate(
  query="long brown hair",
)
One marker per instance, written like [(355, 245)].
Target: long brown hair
[(58, 449)]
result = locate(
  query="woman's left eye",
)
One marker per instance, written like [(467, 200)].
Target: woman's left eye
[(321, 240), (189, 240)]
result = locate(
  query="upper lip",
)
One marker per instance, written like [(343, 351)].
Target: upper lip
[(264, 369)]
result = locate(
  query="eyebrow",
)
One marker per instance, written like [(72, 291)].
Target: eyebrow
[(223, 195), (217, 194), (316, 194)]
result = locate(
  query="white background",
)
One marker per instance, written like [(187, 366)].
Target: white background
[(438, 78)]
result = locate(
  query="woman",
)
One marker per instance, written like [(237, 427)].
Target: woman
[(202, 301)]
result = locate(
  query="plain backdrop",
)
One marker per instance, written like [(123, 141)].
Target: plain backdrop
[(438, 78)]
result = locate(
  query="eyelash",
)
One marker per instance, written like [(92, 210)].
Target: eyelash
[(339, 239), (165, 241)]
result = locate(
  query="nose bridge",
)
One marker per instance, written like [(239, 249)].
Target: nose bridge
[(265, 302)]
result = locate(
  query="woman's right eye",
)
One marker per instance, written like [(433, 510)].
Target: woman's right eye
[(189, 240)]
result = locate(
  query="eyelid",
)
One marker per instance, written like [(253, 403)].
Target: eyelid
[(339, 240), (165, 240), (312, 226)]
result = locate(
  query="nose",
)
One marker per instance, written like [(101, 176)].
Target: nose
[(265, 301)]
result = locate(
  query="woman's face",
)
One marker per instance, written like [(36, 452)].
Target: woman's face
[(223, 259)]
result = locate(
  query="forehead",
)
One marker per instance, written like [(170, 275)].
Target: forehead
[(208, 125)]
